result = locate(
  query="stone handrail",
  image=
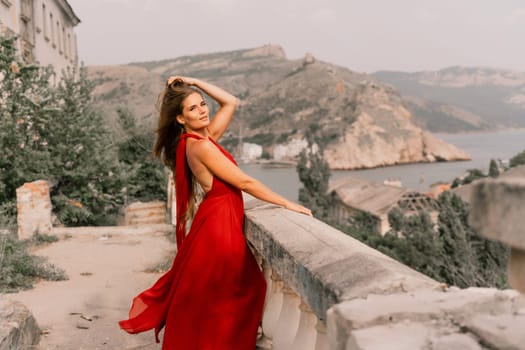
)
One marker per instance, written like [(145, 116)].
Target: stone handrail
[(499, 214), (327, 290), (320, 262), (310, 267)]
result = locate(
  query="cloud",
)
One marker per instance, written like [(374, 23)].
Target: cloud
[(517, 16), (324, 15), (426, 16)]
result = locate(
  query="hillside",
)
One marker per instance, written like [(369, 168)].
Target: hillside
[(363, 121), (462, 99)]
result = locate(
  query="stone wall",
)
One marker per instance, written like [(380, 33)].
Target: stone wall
[(145, 213), (34, 209), (18, 327), (498, 213)]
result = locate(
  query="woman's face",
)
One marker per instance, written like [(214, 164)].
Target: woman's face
[(195, 113)]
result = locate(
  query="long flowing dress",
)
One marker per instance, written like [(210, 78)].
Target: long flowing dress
[(213, 295)]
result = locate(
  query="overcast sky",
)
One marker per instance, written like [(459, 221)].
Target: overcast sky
[(363, 35)]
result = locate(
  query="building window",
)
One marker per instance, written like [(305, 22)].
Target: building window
[(59, 42), (44, 22), (52, 30), (69, 51), (64, 39)]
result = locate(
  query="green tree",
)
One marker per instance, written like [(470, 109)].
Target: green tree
[(493, 168), (53, 133), (472, 175), (26, 109), (314, 174), (413, 241), (460, 265), (144, 176), (518, 159), (453, 253), (86, 172)]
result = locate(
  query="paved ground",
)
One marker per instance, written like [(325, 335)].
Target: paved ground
[(105, 273)]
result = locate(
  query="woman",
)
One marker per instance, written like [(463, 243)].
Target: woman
[(213, 296)]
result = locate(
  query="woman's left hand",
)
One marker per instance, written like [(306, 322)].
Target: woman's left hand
[(186, 80), (298, 208)]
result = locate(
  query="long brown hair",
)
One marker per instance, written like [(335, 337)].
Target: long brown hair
[(169, 131)]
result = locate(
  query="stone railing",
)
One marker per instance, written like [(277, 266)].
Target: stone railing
[(311, 267), (499, 214), (328, 291)]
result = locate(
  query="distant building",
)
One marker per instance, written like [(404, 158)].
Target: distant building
[(352, 195), (438, 188), (45, 29)]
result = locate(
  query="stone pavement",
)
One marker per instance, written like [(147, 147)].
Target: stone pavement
[(105, 272)]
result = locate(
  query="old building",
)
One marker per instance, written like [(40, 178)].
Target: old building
[(45, 29), (352, 195)]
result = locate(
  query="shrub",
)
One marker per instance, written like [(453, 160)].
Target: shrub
[(19, 269)]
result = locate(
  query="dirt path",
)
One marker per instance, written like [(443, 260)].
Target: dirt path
[(105, 273)]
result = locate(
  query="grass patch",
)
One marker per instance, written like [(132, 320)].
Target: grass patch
[(19, 269), (41, 239)]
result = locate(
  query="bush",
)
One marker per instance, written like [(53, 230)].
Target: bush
[(518, 159), (53, 133), (144, 176), (451, 252), (19, 269)]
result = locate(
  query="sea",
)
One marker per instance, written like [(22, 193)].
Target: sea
[(481, 146)]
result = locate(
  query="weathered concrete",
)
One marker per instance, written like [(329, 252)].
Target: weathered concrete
[(498, 210), (498, 213), (34, 209), (145, 213), (18, 327), (473, 318)]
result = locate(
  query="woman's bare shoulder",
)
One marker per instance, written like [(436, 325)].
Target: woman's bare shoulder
[(202, 147)]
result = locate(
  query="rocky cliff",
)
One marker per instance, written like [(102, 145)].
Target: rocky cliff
[(383, 134), (363, 122)]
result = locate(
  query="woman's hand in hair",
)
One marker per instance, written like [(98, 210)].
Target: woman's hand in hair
[(185, 80)]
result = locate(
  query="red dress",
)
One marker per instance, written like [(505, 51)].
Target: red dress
[(213, 295)]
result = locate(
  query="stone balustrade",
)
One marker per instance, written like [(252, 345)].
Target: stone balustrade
[(328, 291), (311, 267), (498, 213)]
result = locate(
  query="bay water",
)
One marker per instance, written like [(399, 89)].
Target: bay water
[(482, 147)]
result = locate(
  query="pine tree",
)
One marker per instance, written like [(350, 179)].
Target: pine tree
[(314, 174), (145, 177), (493, 168), (87, 175), (518, 159), (413, 241)]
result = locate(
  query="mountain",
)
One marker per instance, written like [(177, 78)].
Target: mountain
[(362, 121), (462, 99)]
